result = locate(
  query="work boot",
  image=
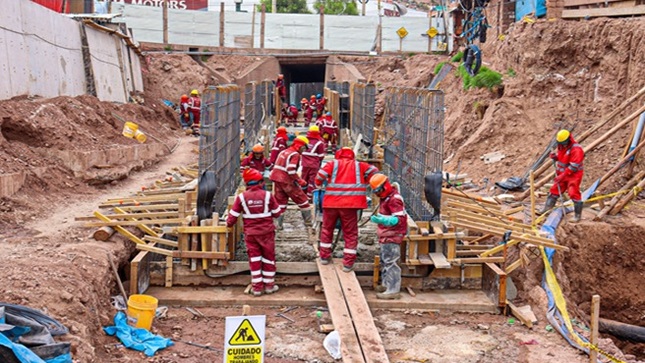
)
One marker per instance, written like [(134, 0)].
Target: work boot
[(577, 212), (280, 224), (256, 293), (325, 261), (306, 215), (271, 290), (380, 289), (388, 295), (348, 268), (550, 203)]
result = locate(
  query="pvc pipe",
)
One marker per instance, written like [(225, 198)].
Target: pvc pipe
[(638, 133)]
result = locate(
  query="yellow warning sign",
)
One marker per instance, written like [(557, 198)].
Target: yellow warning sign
[(245, 335), (402, 32), (244, 355), (432, 32)]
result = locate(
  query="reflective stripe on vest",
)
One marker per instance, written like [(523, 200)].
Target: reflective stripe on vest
[(574, 167), (339, 189), (247, 212), (311, 153)]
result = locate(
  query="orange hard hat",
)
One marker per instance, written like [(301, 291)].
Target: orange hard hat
[(184, 97), (313, 97), (280, 76), (258, 148), (251, 175), (377, 181), (282, 129), (303, 100)]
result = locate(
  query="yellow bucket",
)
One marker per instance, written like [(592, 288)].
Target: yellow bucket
[(141, 310), (130, 129), (140, 136)]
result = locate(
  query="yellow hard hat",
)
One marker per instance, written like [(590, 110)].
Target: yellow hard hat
[(194, 92), (314, 128), (301, 140), (562, 136)]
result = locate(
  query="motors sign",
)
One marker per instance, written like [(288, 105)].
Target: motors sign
[(172, 4)]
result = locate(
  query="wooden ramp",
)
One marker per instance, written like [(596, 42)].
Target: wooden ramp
[(351, 316)]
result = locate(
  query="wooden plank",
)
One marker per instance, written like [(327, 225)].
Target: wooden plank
[(121, 230), (112, 223), (582, 13), (451, 244), (142, 199), (499, 248), (572, 3), (201, 229), (425, 260), (201, 254), (169, 271), (471, 198), (340, 316), (515, 235), (501, 222), (439, 260), (459, 261), (142, 227), (161, 241), (494, 283), (595, 317), (124, 215), (377, 271), (161, 251), (526, 319), (432, 237), (458, 206), (368, 336), (134, 208)]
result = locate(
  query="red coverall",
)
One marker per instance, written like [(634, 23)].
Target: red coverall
[(184, 110), (312, 158), (258, 208), (195, 109), (569, 164), (390, 239), (279, 144), (258, 164), (320, 105), (290, 114), (285, 179), (344, 196), (282, 89), (307, 112), (329, 131)]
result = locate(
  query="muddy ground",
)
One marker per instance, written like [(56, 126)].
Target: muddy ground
[(564, 72)]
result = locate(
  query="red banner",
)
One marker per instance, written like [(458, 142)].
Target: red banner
[(172, 4), (56, 5)]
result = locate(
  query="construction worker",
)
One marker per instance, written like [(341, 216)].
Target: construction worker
[(290, 114), (256, 160), (184, 112), (281, 88), (286, 182), (312, 158), (345, 196), (195, 104), (279, 143), (569, 171), (392, 227), (329, 130), (307, 112), (258, 208), (313, 107), (321, 102)]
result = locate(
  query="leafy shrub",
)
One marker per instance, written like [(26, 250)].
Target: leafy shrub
[(457, 57), (438, 67)]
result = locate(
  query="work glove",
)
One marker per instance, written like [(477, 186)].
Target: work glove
[(387, 221), (554, 156)]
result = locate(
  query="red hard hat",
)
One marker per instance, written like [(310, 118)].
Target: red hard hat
[(345, 153), (250, 175)]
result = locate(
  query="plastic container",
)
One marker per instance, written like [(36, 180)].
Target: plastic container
[(140, 136), (332, 344), (130, 129), (141, 310)]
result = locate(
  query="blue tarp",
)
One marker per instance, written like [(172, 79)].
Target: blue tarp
[(136, 338), (525, 7)]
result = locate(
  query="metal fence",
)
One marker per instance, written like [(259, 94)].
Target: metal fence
[(363, 108), (413, 142), (298, 91), (257, 108), (219, 143)]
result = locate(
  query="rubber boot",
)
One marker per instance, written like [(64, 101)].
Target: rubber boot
[(550, 203), (577, 212), (306, 216), (280, 224), (391, 276)]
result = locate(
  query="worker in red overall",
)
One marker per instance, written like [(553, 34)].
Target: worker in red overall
[(286, 182), (279, 143), (258, 208), (329, 130), (392, 227), (256, 160), (312, 158), (185, 118), (307, 112), (321, 102), (281, 88), (568, 173), (195, 109), (345, 195), (290, 114)]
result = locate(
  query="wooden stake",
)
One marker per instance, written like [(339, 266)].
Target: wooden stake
[(165, 21), (627, 198), (221, 24), (253, 29), (629, 185), (377, 261), (322, 28), (532, 184), (118, 279), (246, 310), (262, 24), (593, 339)]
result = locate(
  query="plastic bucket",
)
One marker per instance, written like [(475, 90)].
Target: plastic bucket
[(140, 136), (141, 310), (129, 129)]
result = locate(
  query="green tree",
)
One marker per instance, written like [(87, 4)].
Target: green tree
[(337, 7), (286, 6)]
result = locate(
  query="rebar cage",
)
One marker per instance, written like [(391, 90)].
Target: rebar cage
[(412, 137), (219, 143), (256, 109), (363, 105)]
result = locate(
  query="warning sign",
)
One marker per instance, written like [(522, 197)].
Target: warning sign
[(244, 339), (245, 335), (432, 32), (402, 32)]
